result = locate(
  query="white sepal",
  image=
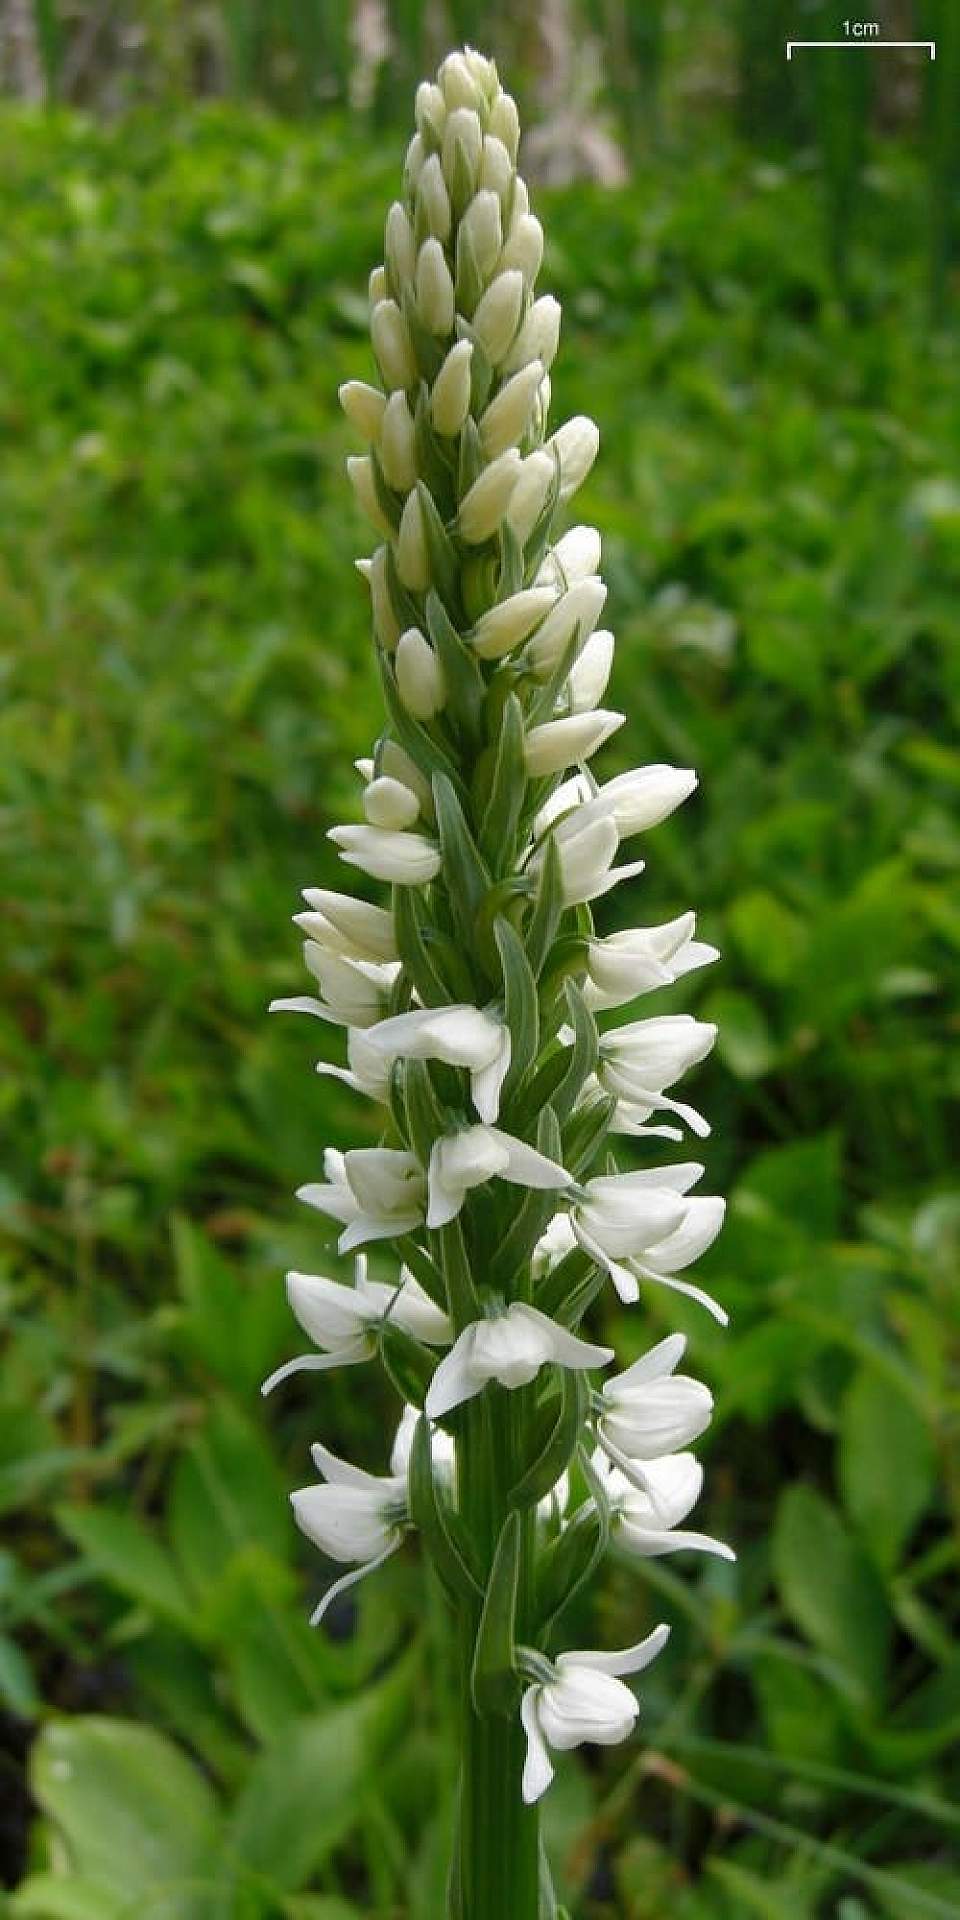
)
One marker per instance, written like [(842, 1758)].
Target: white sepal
[(576, 445), (419, 679), (506, 625), (462, 1036), (585, 1701), (509, 1348), (486, 502), (559, 743), (409, 859), (450, 394), (467, 1159), (375, 1193), (650, 1409), (392, 345), (576, 611), (344, 924)]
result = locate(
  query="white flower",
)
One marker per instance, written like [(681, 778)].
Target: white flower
[(650, 1409), (504, 626), (386, 624), (638, 1061), (461, 1036), (523, 246), (511, 1348), (641, 958), (355, 1516), (341, 1319), (585, 1700), (459, 1161), (634, 801), (345, 925), (435, 297), (366, 1070), (409, 859), (355, 992), (645, 1520), (481, 229), (387, 802), (530, 492), (578, 609), (413, 560), (399, 244), (586, 863), (643, 1226), (557, 743), (442, 1451), (375, 1192)]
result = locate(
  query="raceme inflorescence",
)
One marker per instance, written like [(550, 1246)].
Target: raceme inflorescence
[(475, 994)]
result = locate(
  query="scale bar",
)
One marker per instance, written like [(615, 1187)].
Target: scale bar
[(865, 42)]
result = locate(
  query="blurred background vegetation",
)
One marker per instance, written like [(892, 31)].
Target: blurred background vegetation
[(757, 263)]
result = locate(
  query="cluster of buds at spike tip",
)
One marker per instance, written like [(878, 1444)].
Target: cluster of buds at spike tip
[(476, 994)]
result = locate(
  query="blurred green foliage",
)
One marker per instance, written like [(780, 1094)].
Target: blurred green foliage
[(187, 678)]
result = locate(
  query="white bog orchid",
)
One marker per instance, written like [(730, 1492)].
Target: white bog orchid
[(354, 1516), (483, 819), (645, 1520), (642, 958), (510, 1348), (638, 1061), (461, 1036), (649, 1409), (460, 1161), (375, 1192), (585, 1700), (342, 1320), (355, 992)]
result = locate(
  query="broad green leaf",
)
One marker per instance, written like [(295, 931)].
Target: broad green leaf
[(129, 1557), (830, 1590), (493, 1679), (132, 1811), (306, 1792), (227, 1494), (887, 1464), (18, 1691), (54, 1896), (744, 1040)]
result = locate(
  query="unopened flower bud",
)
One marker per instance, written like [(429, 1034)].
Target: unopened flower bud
[(539, 336), (508, 416), (396, 447), (482, 227), (413, 560), (559, 743), (577, 609), (523, 247), (450, 397), (506, 625), (435, 298), (576, 444), (460, 155), (399, 247), (392, 345), (433, 199), (575, 556), (497, 316), (360, 474), (484, 73), (388, 803), (413, 162), (364, 406), (385, 622), (419, 680), (396, 761), (377, 288), (589, 677), (530, 493), (431, 113), (488, 499), (504, 123), (496, 166), (458, 85)]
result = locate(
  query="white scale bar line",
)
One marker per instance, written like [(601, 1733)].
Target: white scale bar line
[(865, 41)]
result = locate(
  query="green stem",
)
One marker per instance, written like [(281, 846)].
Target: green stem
[(499, 1835)]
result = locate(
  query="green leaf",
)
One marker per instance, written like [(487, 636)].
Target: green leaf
[(582, 1056), (462, 677), (130, 1558), (744, 1040), (522, 1010), (831, 1591), (887, 1464), (464, 872), (227, 1494), (548, 908), (407, 1363), (493, 1679), (425, 1113), (552, 1450), (18, 1691), (305, 1793), (134, 1814), (53, 1896), (507, 784), (450, 1555)]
